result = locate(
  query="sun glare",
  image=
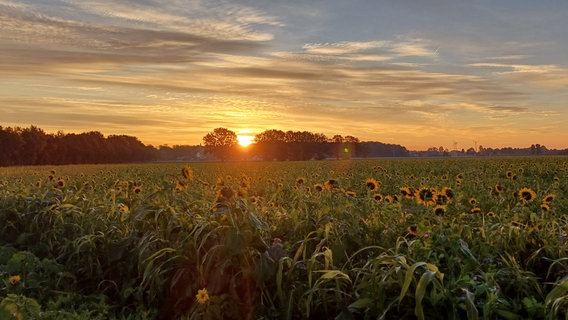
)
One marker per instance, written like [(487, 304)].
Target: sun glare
[(245, 141)]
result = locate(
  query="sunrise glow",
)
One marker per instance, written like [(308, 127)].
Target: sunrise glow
[(421, 75), (244, 140)]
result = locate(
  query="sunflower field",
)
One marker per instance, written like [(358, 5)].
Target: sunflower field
[(473, 238)]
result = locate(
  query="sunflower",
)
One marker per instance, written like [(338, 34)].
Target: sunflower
[(439, 210), (180, 186), (475, 210), (254, 199), (459, 178), (330, 184), (544, 207), (202, 296), (526, 194), (509, 174), (60, 183), (389, 199), (441, 199), (378, 197), (372, 184), (245, 182), (407, 192), (137, 189), (318, 187), (187, 172), (448, 192), (549, 198), (224, 218), (300, 180), (224, 194), (14, 279), (497, 189), (412, 231), (491, 214), (472, 201), (350, 193), (242, 192), (426, 196)]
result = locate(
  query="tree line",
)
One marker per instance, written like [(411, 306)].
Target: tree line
[(32, 146), (291, 145)]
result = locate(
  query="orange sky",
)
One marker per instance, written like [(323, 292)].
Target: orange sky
[(419, 74)]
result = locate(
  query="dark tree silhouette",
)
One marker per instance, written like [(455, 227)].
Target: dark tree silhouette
[(221, 143)]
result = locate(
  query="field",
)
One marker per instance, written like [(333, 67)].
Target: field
[(364, 239)]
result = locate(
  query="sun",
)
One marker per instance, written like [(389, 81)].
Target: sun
[(245, 140)]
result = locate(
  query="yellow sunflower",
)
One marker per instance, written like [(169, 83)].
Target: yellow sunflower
[(526, 194), (439, 210), (187, 172), (14, 279), (202, 296), (378, 197), (407, 192), (426, 196), (372, 184), (549, 198)]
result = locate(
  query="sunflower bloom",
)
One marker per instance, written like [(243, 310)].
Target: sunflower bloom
[(549, 198), (372, 184), (187, 172), (426, 196), (180, 186), (14, 279), (526, 194), (407, 192), (412, 231), (202, 296), (439, 210), (378, 197), (350, 193)]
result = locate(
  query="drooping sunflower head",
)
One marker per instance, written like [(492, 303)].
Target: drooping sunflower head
[(180, 186), (187, 172), (526, 194), (350, 194), (475, 210), (544, 206)]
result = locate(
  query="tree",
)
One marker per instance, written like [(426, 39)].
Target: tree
[(221, 142)]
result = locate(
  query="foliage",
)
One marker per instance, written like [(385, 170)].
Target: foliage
[(366, 239)]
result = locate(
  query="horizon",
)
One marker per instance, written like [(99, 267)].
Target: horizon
[(416, 74)]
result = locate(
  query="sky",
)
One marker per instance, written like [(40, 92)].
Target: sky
[(421, 74)]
